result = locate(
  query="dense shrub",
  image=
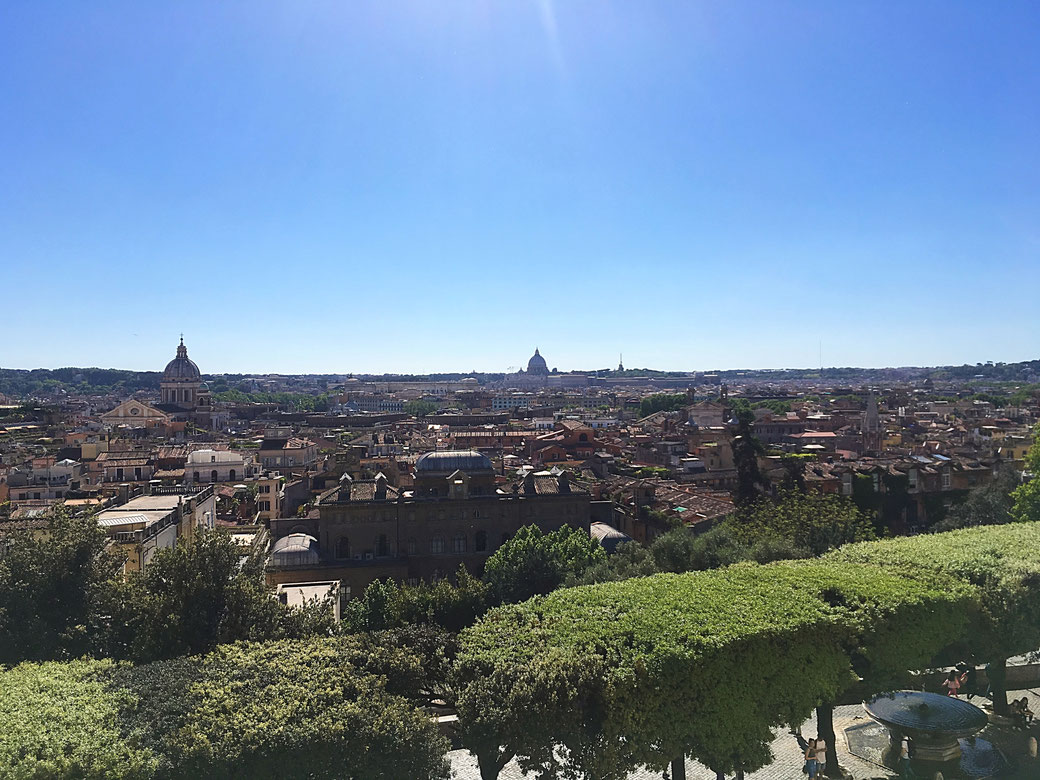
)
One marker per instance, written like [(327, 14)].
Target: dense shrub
[(331, 708), (59, 720)]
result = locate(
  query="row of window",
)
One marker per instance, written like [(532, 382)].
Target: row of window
[(213, 476), (438, 545)]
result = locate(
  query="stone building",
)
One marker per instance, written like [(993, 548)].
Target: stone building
[(455, 514)]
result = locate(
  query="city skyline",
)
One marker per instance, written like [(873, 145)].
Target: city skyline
[(515, 368), (420, 188)]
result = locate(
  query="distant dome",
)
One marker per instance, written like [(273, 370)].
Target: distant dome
[(449, 461), (537, 365), (181, 367)]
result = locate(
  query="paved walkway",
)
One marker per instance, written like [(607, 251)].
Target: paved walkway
[(787, 757)]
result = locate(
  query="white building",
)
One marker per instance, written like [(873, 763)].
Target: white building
[(205, 466)]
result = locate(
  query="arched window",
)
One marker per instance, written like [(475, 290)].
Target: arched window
[(437, 545), (231, 475), (213, 476), (343, 547), (382, 546), (197, 477), (480, 541), (583, 437), (458, 543)]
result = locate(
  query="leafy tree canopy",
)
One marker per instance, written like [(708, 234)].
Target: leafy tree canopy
[(533, 562)]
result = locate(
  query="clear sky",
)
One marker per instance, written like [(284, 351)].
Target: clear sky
[(420, 186)]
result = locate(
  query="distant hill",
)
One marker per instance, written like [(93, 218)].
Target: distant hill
[(19, 383)]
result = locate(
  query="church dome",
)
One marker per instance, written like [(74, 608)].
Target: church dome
[(448, 461), (181, 367), (537, 365)]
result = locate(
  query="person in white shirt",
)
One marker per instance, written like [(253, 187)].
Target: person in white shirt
[(821, 754)]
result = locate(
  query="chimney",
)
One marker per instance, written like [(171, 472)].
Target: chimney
[(564, 483)]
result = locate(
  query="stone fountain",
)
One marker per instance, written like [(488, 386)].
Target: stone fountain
[(935, 723)]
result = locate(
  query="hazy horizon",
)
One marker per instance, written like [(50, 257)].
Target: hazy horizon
[(562, 369)]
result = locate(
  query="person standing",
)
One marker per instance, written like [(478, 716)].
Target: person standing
[(952, 683), (821, 755), (812, 766), (969, 677), (905, 770)]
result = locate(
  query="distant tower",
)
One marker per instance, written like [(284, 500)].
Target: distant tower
[(620, 364), (872, 427)]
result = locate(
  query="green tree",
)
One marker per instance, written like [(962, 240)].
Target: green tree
[(811, 523), (629, 559), (420, 408), (54, 589), (196, 595), (990, 504), (533, 562), (1027, 496), (746, 451), (662, 402)]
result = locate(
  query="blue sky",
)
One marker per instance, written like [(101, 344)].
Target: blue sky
[(421, 186)]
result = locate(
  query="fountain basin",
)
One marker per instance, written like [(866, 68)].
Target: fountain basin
[(935, 723)]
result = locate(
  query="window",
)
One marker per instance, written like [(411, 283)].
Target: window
[(480, 541), (213, 476), (231, 475), (265, 506), (413, 546), (382, 546), (947, 479), (196, 476), (343, 547), (437, 545), (458, 543)]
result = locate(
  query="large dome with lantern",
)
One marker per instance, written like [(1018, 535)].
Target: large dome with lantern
[(181, 367), (537, 365)]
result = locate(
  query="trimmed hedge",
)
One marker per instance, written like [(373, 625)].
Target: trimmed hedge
[(1001, 562), (59, 720), (637, 672), (322, 708)]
